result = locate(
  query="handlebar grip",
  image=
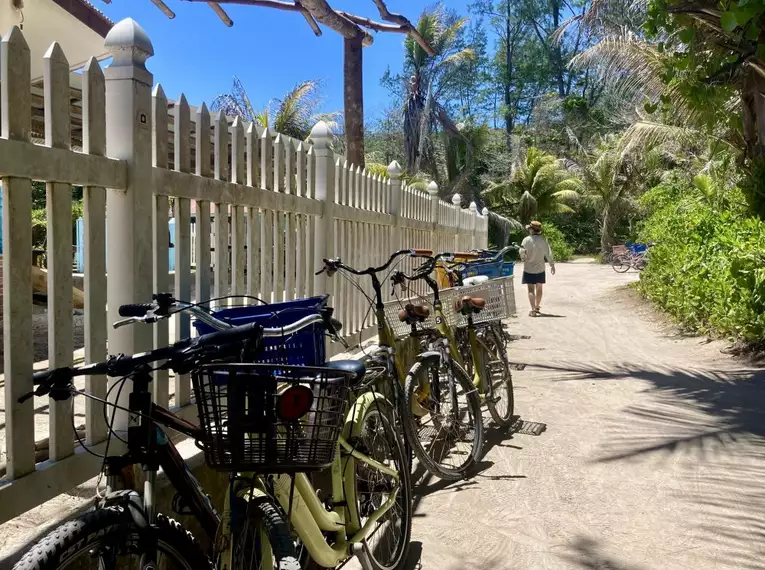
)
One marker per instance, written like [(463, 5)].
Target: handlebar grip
[(135, 310), (230, 336), (422, 251), (41, 377)]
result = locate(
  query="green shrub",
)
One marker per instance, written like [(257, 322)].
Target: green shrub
[(708, 269), (561, 249)]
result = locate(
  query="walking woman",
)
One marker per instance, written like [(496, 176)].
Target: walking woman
[(535, 251)]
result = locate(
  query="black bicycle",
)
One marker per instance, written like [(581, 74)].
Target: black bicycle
[(125, 529)]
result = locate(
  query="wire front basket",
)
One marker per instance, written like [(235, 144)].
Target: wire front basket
[(498, 293), (401, 329), (267, 418)]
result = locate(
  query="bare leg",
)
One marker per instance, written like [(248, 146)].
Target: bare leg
[(539, 287), (532, 297)]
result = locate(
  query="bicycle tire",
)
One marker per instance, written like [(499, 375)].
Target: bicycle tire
[(419, 373), (263, 514), (496, 361), (621, 265), (108, 527), (398, 456)]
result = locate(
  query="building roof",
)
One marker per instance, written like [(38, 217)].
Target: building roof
[(88, 14)]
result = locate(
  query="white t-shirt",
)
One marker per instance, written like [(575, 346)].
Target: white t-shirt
[(535, 251)]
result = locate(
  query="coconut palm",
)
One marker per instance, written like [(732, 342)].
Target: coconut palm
[(293, 115), (541, 184), (430, 75)]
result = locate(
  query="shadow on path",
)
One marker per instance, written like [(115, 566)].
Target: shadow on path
[(585, 552), (712, 423)]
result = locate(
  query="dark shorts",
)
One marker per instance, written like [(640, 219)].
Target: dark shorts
[(533, 278)]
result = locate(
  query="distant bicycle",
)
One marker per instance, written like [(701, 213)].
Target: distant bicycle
[(636, 257)]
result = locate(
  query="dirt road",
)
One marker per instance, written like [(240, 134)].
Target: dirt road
[(653, 457)]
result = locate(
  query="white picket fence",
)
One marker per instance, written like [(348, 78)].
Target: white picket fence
[(303, 203)]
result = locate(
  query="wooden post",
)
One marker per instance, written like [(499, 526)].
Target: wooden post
[(237, 212), (182, 238), (393, 201), (59, 214), (473, 223), (252, 143), (221, 210), (160, 386), (323, 243), (17, 276), (457, 203), (94, 214), (485, 226), (128, 137), (203, 168), (433, 215)]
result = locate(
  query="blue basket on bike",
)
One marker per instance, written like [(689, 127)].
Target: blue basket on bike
[(491, 269), (304, 348)]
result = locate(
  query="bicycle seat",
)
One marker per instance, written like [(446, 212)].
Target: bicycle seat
[(413, 313), (467, 304), (356, 366)]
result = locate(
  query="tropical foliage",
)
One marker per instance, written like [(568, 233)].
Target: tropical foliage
[(293, 115), (540, 185)]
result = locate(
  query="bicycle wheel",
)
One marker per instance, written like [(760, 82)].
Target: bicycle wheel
[(621, 264), (387, 546), (109, 539), (499, 393), (447, 440), (264, 542)]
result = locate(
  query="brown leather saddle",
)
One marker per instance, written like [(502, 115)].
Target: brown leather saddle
[(411, 314), (467, 305)]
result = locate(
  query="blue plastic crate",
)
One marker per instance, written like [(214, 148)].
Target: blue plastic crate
[(492, 270), (304, 348)]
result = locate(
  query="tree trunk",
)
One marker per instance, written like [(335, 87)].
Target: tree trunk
[(606, 240), (509, 119), (353, 91), (753, 113)]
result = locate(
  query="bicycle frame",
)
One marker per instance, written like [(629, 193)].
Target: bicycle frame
[(307, 514)]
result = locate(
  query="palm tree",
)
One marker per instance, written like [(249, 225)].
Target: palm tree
[(540, 184), (293, 115), (429, 76)]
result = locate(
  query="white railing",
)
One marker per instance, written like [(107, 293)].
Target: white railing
[(288, 204)]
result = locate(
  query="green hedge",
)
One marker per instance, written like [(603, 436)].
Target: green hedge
[(708, 269), (561, 249)]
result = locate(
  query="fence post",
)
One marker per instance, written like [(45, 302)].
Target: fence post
[(457, 203), (485, 232), (394, 204), (129, 229), (433, 217), (473, 222), (324, 230)]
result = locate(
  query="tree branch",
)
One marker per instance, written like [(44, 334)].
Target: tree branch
[(276, 4), (380, 27), (404, 22)]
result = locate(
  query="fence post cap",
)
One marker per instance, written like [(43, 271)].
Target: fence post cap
[(321, 135), (473, 207), (485, 211), (128, 44), (457, 200), (394, 169), (432, 188)]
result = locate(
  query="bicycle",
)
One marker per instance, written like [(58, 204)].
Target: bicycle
[(295, 420), (636, 258), (434, 367), (478, 347)]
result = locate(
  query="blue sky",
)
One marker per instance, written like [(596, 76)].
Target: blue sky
[(269, 50)]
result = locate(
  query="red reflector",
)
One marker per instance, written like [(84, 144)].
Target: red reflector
[(294, 403)]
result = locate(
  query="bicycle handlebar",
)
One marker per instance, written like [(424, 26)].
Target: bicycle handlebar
[(331, 266), (183, 349)]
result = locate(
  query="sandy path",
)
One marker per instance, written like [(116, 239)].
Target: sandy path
[(653, 456)]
